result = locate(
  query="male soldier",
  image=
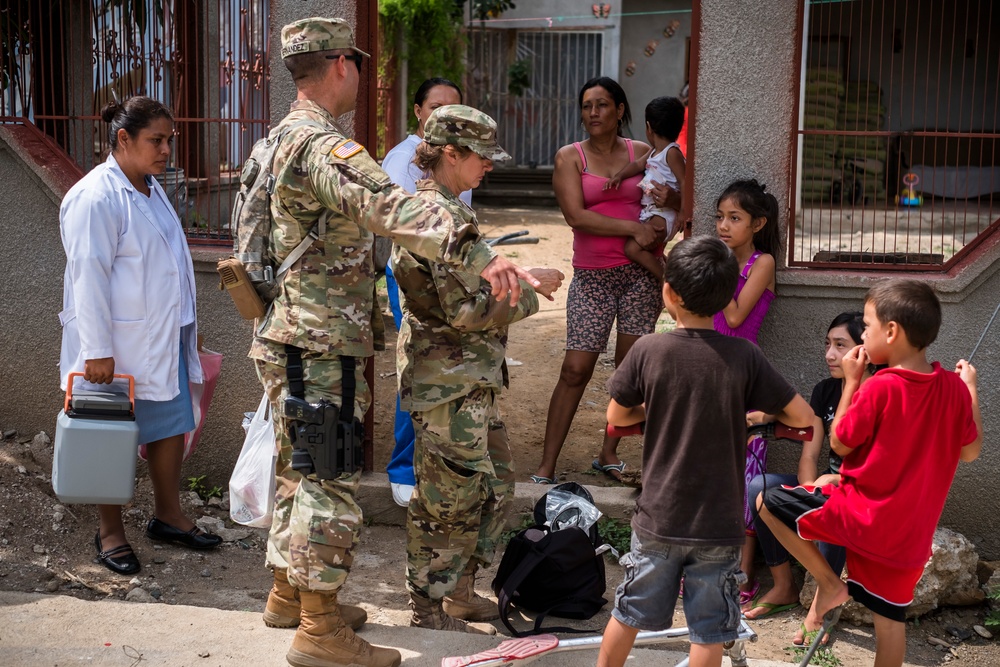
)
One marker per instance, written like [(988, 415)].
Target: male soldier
[(310, 348)]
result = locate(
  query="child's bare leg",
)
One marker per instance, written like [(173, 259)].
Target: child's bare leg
[(747, 563), (617, 644), (643, 258), (669, 231), (831, 592), (890, 641), (705, 655), (783, 592)]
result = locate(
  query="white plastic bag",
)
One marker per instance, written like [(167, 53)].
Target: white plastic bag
[(251, 486)]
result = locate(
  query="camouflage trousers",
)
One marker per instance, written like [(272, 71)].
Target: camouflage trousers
[(465, 482), (316, 523)]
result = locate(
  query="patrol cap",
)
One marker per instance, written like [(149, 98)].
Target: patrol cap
[(317, 34), (459, 125)]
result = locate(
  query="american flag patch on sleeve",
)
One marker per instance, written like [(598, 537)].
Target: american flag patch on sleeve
[(346, 149)]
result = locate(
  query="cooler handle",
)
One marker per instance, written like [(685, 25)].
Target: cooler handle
[(69, 389)]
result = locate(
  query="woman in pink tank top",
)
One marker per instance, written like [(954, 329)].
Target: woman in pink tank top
[(606, 286)]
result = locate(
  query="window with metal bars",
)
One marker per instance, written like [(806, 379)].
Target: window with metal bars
[(208, 61), (539, 114), (897, 153)]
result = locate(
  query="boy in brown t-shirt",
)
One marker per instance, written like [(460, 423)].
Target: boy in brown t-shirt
[(693, 387)]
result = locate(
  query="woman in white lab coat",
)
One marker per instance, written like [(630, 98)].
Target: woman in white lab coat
[(129, 307)]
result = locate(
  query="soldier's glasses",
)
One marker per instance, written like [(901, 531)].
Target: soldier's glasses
[(356, 57)]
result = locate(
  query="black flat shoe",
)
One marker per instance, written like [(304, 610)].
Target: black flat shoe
[(120, 560), (195, 538)]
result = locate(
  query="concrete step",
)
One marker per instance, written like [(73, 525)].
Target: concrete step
[(516, 186), (375, 498)]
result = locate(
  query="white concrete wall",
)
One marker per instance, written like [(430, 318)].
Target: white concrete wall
[(662, 73)]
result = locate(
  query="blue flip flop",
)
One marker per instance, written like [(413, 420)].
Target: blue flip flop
[(609, 469), (539, 479)]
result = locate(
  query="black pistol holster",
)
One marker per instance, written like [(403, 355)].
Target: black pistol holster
[(326, 440)]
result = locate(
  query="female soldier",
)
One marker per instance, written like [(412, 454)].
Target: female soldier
[(452, 367)]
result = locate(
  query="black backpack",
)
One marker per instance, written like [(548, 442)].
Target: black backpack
[(552, 571)]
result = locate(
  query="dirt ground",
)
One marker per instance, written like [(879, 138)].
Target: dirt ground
[(48, 547)]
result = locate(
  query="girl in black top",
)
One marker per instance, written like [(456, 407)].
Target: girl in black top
[(844, 333)]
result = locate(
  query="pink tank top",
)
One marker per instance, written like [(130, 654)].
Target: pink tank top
[(751, 325), (604, 252)]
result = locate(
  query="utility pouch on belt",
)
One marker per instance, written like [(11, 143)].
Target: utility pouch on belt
[(326, 440), (236, 281)]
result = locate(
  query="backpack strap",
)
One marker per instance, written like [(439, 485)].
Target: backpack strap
[(569, 605), (516, 578), (269, 185), (318, 230)]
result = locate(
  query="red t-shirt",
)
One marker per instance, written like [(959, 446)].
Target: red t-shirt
[(907, 430)]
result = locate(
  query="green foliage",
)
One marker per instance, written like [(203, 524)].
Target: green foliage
[(823, 657), (519, 77), (616, 532), (526, 521), (433, 43), (134, 12), (199, 486), (490, 9), (992, 619)]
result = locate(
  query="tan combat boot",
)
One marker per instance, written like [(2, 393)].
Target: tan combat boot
[(324, 640), (465, 603), (430, 614), (282, 609)]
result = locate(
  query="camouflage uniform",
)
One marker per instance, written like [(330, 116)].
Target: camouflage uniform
[(450, 356), (325, 308)]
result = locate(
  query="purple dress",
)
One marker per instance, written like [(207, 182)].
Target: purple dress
[(756, 448)]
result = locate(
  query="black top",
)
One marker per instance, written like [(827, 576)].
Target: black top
[(697, 386), (824, 401)]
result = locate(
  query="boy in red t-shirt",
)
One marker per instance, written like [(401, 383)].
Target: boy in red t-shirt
[(901, 435)]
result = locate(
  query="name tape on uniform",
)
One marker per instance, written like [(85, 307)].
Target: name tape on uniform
[(347, 149)]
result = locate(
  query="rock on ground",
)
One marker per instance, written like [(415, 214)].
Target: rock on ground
[(950, 578)]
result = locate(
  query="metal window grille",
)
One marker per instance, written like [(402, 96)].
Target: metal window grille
[(207, 61), (540, 115), (898, 147)]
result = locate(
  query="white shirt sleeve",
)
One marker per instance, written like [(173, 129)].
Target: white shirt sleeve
[(91, 226)]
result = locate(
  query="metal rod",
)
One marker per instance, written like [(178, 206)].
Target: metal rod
[(983, 335)]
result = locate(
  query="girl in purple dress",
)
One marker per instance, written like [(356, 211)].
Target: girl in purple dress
[(746, 220)]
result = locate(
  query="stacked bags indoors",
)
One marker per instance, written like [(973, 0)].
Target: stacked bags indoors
[(821, 172), (863, 158)]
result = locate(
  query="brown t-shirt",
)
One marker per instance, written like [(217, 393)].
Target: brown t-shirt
[(697, 386)]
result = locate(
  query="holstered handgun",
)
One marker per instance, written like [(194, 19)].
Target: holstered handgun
[(322, 444)]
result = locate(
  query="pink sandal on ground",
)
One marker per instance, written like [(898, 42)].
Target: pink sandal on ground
[(746, 597)]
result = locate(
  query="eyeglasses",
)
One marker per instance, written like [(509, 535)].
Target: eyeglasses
[(356, 57)]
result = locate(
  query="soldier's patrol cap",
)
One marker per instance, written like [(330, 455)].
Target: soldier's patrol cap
[(459, 125), (317, 34)]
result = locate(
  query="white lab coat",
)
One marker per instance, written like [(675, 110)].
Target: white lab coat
[(121, 292)]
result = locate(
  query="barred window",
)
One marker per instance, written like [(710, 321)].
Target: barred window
[(897, 154)]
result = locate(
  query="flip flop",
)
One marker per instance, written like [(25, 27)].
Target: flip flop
[(772, 609), (609, 469), (539, 479), (746, 597), (809, 637), (830, 619)]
